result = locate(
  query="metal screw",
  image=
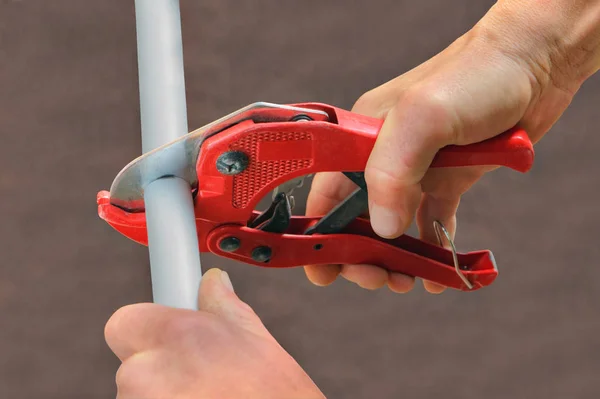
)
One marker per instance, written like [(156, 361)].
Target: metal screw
[(262, 254), (232, 162), (229, 244)]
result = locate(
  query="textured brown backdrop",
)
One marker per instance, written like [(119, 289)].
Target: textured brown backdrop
[(69, 123)]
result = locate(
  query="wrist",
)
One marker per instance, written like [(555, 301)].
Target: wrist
[(558, 41)]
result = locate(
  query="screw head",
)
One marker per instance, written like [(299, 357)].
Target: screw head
[(262, 254), (232, 162), (229, 244)]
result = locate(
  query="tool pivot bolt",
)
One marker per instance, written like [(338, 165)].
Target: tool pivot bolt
[(262, 254), (232, 162), (229, 244)]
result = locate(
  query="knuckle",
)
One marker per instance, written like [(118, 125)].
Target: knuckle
[(114, 324), (369, 103), (129, 378), (122, 377), (363, 101), (382, 180), (435, 108), (424, 121)]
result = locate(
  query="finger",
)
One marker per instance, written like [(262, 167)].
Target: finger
[(442, 209), (327, 190), (433, 288), (216, 289), (217, 297), (150, 374), (365, 276), (138, 328), (330, 188), (444, 188), (410, 137), (376, 103), (400, 283), (322, 275), (137, 374)]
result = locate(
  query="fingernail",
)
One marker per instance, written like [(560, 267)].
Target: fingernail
[(385, 222), (226, 281)]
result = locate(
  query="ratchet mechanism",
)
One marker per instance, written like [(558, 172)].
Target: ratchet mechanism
[(232, 163)]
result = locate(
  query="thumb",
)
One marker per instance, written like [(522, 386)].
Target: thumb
[(217, 296)]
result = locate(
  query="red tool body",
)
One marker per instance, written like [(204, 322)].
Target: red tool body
[(275, 150)]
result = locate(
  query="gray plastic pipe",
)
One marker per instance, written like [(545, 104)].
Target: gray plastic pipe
[(172, 238)]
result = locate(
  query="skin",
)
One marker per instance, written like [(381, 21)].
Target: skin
[(222, 350), (521, 64)]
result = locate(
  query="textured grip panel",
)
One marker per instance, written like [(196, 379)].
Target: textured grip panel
[(261, 173)]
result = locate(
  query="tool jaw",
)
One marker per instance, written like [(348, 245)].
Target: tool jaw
[(179, 157)]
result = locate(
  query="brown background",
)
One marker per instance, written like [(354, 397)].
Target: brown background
[(69, 122)]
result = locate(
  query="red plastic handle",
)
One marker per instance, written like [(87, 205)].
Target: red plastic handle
[(358, 244), (281, 151)]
